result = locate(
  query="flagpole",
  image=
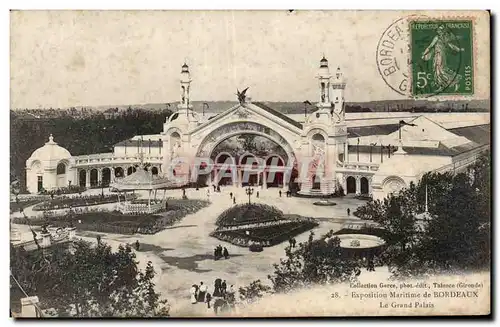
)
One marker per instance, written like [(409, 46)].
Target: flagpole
[(357, 149)]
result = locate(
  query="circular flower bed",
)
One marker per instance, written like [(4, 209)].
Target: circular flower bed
[(248, 213)]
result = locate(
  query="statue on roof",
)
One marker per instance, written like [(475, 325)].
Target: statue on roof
[(241, 95)]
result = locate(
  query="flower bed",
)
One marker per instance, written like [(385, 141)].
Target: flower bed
[(324, 203), (265, 236), (117, 223), (80, 201), (72, 189), (248, 213), (177, 209)]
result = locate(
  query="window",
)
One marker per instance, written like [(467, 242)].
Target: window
[(61, 169)]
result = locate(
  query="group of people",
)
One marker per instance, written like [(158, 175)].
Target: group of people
[(293, 242), (288, 193), (220, 252), (231, 195), (221, 294)]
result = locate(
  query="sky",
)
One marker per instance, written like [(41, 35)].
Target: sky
[(91, 58)]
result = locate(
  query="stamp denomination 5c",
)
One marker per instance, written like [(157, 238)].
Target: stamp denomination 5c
[(442, 57)]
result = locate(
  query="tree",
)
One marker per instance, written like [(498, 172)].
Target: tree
[(254, 291), (317, 261), (457, 235), (88, 281)]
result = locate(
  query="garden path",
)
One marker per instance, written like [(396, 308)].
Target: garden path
[(183, 254)]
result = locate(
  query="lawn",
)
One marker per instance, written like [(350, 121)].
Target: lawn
[(15, 206)]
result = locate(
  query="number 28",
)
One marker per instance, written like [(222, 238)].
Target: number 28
[(423, 79)]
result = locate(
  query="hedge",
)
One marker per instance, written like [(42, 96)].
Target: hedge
[(248, 213)]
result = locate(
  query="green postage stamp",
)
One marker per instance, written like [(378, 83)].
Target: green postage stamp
[(442, 57)]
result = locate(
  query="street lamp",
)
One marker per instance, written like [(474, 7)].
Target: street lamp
[(249, 192)]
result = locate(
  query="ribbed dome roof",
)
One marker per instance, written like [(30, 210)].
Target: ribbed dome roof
[(50, 151)]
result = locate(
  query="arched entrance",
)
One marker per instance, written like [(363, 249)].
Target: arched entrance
[(119, 172), (249, 177), (93, 178), (61, 174), (106, 176), (351, 185), (39, 183), (364, 188), (223, 173), (82, 178), (316, 182), (238, 138), (274, 174)]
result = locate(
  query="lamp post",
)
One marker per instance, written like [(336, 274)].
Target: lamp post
[(249, 192)]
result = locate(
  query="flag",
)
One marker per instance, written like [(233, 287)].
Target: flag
[(403, 123)]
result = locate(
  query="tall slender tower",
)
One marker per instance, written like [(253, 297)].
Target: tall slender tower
[(338, 87), (185, 86), (324, 84)]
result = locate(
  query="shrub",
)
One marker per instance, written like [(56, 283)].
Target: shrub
[(256, 248)]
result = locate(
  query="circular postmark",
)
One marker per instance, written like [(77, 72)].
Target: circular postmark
[(393, 56)]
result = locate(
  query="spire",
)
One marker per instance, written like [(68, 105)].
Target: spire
[(51, 140)]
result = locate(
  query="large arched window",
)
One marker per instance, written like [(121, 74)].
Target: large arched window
[(61, 169)]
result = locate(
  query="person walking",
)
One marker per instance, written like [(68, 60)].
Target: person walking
[(202, 292), (234, 200), (137, 245), (280, 193), (218, 287), (348, 211), (231, 195), (226, 253), (208, 298), (223, 287), (192, 291), (231, 295), (257, 194)]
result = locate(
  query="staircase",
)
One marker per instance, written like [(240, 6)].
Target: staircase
[(327, 189)]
